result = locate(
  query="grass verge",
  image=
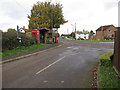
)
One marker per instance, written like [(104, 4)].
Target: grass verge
[(91, 40), (22, 49), (108, 78)]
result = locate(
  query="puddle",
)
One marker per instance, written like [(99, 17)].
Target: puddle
[(75, 48), (69, 47)]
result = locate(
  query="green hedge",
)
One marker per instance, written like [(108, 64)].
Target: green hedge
[(105, 59), (9, 40), (108, 78)]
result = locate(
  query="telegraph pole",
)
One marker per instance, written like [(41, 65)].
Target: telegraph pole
[(52, 25)]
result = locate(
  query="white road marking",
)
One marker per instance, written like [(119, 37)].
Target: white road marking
[(50, 65)]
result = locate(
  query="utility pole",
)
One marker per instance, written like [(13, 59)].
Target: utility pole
[(52, 25), (75, 31)]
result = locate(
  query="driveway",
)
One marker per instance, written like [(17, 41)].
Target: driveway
[(64, 67)]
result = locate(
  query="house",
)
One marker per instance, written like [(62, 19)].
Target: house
[(82, 34), (65, 35), (105, 32)]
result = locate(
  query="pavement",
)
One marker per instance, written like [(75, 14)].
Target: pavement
[(31, 52), (67, 66)]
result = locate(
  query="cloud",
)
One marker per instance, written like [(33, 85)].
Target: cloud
[(92, 14), (11, 9), (88, 14)]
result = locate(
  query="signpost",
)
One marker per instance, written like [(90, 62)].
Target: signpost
[(18, 38)]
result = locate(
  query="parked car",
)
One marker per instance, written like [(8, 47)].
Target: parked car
[(70, 37), (63, 37)]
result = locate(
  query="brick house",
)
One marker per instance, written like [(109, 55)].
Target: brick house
[(105, 32)]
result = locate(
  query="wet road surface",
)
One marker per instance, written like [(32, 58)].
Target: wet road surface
[(64, 67)]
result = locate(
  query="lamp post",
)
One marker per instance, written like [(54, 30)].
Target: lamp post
[(75, 29), (52, 24)]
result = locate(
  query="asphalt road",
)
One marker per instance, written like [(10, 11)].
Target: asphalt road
[(64, 67)]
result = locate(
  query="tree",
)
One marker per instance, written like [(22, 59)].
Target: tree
[(72, 34), (11, 30), (46, 15), (91, 34)]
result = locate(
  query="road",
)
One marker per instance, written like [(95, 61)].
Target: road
[(64, 67)]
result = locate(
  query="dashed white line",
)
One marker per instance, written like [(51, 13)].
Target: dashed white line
[(50, 65)]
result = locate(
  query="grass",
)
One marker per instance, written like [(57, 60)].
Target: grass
[(22, 49), (108, 78), (90, 40)]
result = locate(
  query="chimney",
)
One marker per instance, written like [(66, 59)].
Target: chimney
[(102, 33), (23, 27), (102, 28)]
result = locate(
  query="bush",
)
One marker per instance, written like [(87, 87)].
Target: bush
[(108, 78), (9, 40), (105, 59)]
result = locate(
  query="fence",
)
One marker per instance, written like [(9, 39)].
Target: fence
[(116, 61)]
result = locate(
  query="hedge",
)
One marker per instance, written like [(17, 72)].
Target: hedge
[(9, 40), (105, 59)]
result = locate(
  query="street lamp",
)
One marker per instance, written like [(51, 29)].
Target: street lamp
[(52, 23), (75, 29)]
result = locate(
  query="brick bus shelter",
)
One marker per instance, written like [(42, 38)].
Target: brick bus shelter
[(40, 34)]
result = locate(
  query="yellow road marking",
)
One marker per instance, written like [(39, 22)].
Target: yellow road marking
[(50, 65)]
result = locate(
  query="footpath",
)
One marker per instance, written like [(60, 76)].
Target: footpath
[(29, 53)]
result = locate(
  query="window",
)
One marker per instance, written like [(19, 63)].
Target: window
[(109, 30), (33, 34)]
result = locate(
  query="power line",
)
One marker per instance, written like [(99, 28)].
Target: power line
[(22, 6)]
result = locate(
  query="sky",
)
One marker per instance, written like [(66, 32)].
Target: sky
[(87, 14)]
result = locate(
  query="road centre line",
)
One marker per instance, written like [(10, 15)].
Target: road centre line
[(49, 65)]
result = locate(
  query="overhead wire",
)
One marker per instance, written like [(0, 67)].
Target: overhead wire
[(22, 6)]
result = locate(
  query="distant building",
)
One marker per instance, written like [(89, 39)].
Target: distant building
[(105, 32), (65, 35), (82, 34)]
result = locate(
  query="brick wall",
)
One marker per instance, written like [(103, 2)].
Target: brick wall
[(98, 35)]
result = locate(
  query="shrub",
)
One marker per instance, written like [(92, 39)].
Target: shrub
[(105, 59), (108, 78), (9, 40)]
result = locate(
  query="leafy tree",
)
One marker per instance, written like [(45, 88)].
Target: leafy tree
[(11, 30), (46, 15), (72, 34), (91, 34)]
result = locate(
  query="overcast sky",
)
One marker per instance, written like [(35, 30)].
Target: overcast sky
[(87, 14)]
